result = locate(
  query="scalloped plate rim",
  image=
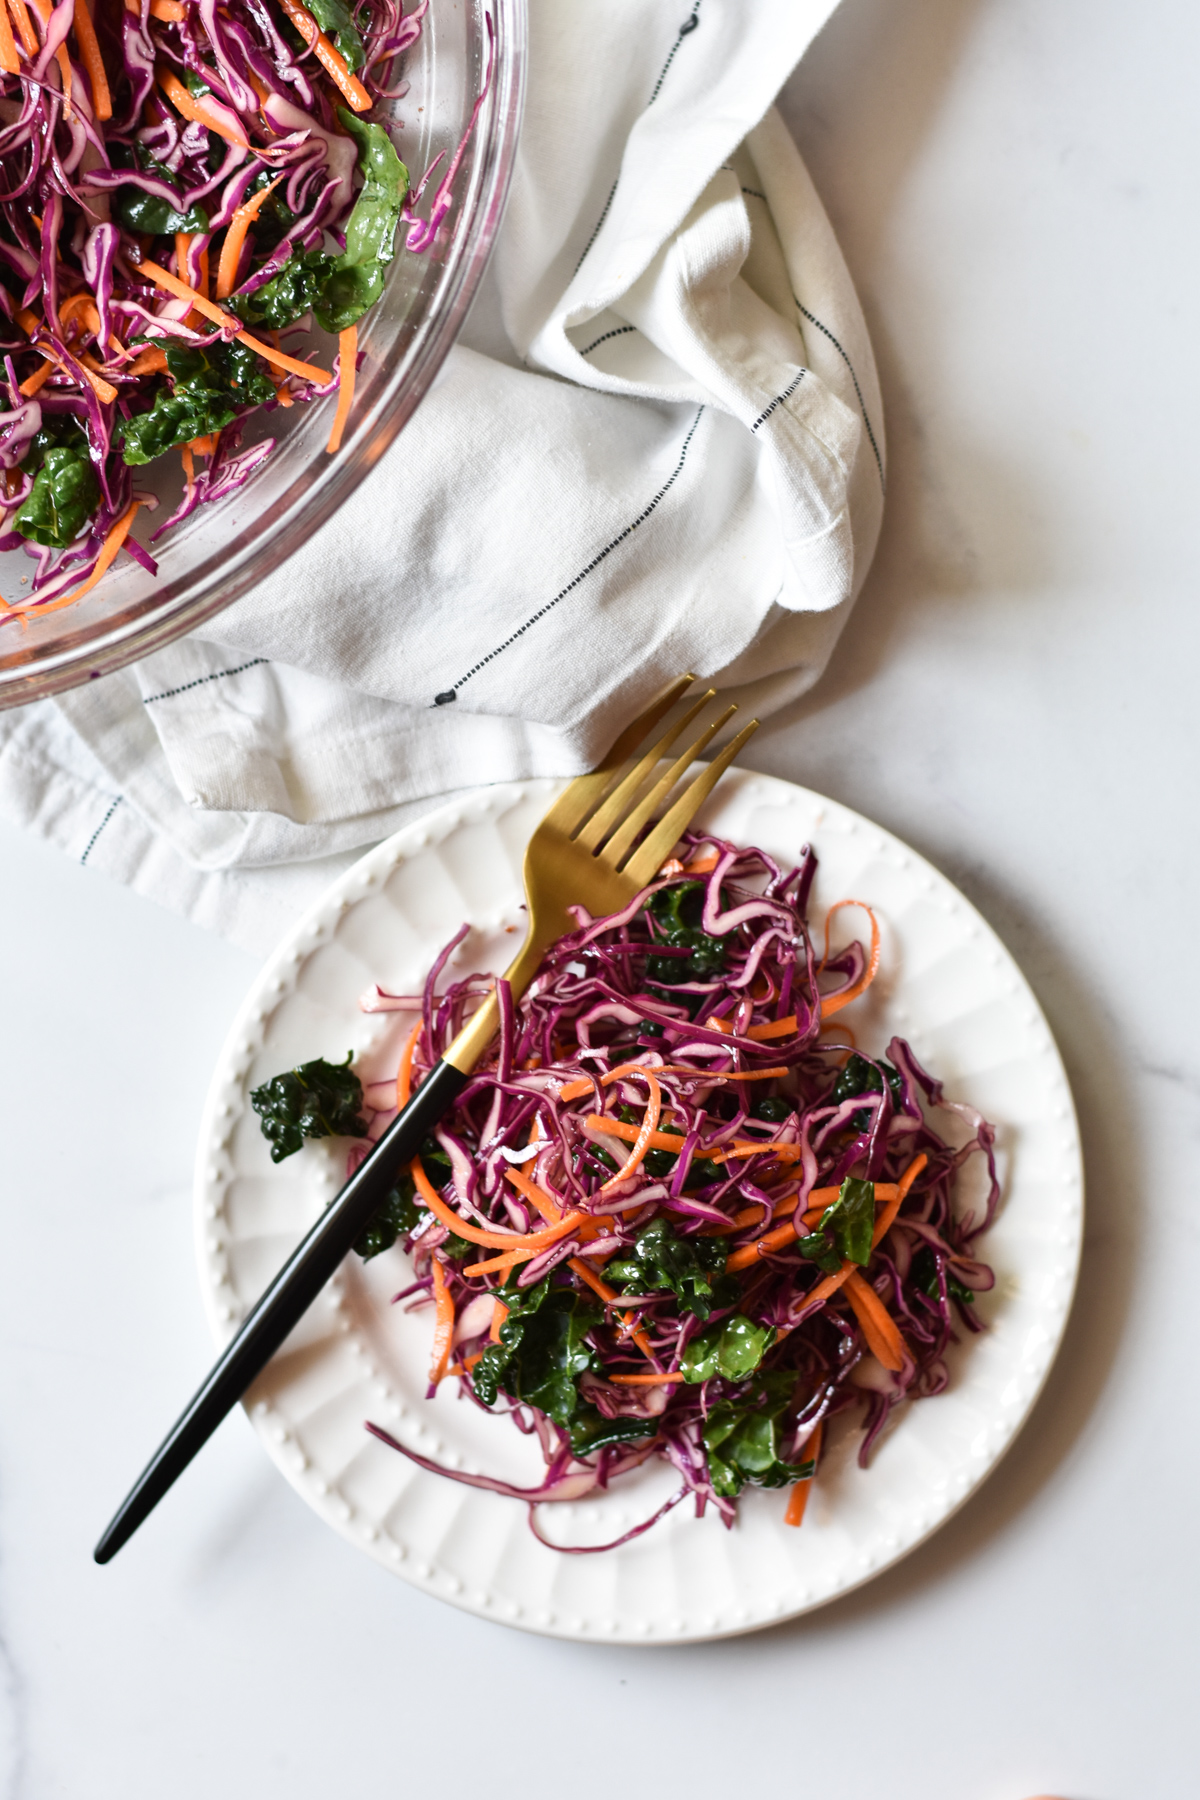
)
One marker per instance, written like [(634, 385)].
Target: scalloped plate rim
[(316, 928)]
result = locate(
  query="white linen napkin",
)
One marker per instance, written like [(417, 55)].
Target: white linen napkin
[(658, 446)]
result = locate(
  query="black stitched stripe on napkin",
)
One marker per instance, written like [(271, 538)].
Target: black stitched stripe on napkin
[(444, 699)]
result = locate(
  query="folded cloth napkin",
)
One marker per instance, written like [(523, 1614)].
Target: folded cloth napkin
[(658, 446)]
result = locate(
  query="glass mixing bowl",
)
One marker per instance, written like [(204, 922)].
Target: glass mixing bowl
[(223, 549)]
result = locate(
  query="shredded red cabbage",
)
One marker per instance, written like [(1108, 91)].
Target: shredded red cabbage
[(786, 1251)]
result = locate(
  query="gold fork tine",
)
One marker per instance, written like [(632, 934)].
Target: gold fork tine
[(614, 850), (613, 810), (649, 856), (576, 801)]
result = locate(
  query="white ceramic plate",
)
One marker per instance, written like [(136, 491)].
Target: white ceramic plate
[(947, 984)]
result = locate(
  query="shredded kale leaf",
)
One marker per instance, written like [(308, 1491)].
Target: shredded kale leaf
[(591, 1431), (317, 1099), (741, 1438), (675, 912), (397, 1216), (925, 1274), (845, 1231), (64, 495), (150, 213), (211, 387), (541, 1351), (335, 21), (691, 1268), (338, 290), (862, 1077), (732, 1349)]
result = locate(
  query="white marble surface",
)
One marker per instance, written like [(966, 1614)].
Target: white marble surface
[(1015, 188)]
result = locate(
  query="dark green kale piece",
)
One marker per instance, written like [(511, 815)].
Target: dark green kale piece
[(691, 1268), (396, 1218), (676, 912), (742, 1437), (925, 1274), (732, 1349), (862, 1077), (591, 1431), (338, 290), (150, 214), (541, 1350), (846, 1229), (211, 387), (336, 22), (314, 1100), (64, 495), (774, 1109)]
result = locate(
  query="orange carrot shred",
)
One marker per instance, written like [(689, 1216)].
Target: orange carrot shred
[(832, 1003), (642, 1141), (235, 237), (172, 285), (108, 551), (30, 386), (191, 108), (878, 1327), (499, 1314), (798, 1499), (647, 1380), (496, 1240), (443, 1331), (327, 55), (347, 368), (24, 24), (93, 62), (404, 1074), (10, 60)]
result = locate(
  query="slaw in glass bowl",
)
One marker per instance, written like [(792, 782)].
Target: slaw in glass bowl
[(225, 547)]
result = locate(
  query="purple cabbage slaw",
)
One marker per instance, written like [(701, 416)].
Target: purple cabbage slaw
[(591, 1009), (67, 178)]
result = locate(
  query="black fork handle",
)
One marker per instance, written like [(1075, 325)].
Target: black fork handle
[(286, 1301)]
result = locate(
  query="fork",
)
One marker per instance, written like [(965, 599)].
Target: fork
[(586, 850)]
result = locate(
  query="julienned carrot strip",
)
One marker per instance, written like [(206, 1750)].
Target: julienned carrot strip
[(347, 369), (608, 1295), (776, 1028), (171, 284), (196, 110), (770, 1240), (404, 1074), (705, 865), (832, 1003), (327, 55), (171, 12), (151, 361), (545, 1203), (10, 61), (755, 1147), (33, 382), (24, 24), (235, 237), (443, 1331), (658, 1140), (499, 1314), (878, 1326), (494, 1240), (108, 551), (642, 1141), (574, 1090), (798, 1499), (883, 1223), (646, 1380), (93, 62)]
